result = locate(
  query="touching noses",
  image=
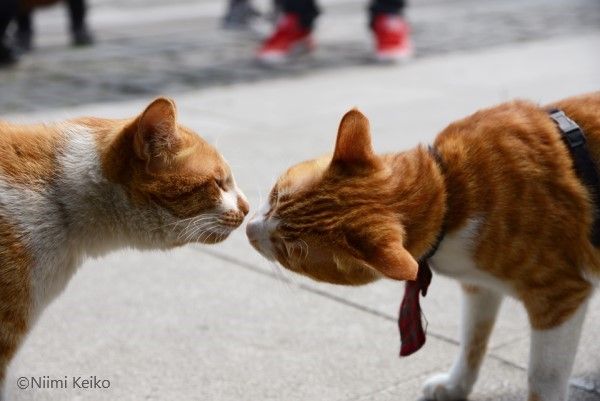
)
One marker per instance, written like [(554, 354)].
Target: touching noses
[(253, 231), (243, 205)]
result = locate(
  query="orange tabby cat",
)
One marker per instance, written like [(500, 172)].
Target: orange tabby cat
[(87, 186), (500, 184)]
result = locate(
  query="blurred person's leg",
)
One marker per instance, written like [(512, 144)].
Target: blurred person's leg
[(395, 7), (276, 10), (391, 31), (306, 10), (8, 11), (292, 34), (24, 35), (80, 33), (239, 14)]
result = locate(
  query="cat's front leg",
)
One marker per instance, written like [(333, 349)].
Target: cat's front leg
[(479, 310), (551, 358)]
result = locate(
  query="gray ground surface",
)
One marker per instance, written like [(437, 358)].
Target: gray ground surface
[(220, 323), (152, 47)]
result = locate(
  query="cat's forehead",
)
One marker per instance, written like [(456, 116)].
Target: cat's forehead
[(200, 156), (302, 175)]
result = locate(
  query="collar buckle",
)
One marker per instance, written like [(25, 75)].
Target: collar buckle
[(571, 131)]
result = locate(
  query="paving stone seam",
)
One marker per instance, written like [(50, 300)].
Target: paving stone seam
[(340, 300), (392, 386), (574, 382)]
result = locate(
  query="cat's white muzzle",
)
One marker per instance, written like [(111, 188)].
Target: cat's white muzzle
[(258, 231)]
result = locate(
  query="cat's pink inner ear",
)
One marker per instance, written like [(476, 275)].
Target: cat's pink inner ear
[(353, 144), (395, 262), (156, 135)]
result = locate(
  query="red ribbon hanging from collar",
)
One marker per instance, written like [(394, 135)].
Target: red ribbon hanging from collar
[(410, 323)]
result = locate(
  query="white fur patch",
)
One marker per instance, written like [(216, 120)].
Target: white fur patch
[(259, 231), (551, 357), (454, 258), (56, 256), (40, 214), (78, 213), (479, 311), (229, 200)]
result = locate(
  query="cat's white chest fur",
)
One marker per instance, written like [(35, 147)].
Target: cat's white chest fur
[(454, 258), (40, 214)]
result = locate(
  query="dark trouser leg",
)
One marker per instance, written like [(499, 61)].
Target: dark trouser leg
[(24, 35), (239, 14), (306, 9), (8, 10), (79, 30), (24, 22), (386, 7), (77, 11)]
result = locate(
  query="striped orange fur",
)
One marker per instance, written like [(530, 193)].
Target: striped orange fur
[(517, 220)]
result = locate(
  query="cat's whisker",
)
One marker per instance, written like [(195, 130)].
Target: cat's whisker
[(304, 247), (209, 230), (297, 242), (176, 223), (205, 225), (198, 222), (191, 221), (206, 235), (298, 245), (193, 231), (193, 217)]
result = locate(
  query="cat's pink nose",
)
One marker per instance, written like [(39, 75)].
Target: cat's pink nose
[(243, 205)]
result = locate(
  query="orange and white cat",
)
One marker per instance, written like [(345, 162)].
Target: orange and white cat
[(517, 218), (88, 186)]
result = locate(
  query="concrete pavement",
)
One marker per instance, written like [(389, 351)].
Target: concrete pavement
[(221, 323)]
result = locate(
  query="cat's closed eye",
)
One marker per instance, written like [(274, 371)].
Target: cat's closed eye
[(220, 183)]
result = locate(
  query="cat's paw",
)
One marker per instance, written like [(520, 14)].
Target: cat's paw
[(441, 388)]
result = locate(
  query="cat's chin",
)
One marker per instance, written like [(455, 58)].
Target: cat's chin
[(350, 276), (207, 239), (214, 240), (214, 237), (347, 281)]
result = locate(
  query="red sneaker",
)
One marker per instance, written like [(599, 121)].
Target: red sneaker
[(392, 37), (289, 38)]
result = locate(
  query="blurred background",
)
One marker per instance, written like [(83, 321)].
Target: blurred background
[(150, 47)]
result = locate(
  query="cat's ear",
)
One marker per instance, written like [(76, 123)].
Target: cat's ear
[(395, 262), (353, 144), (379, 244), (156, 136)]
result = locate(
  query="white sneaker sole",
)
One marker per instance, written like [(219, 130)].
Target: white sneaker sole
[(394, 57), (279, 58)]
